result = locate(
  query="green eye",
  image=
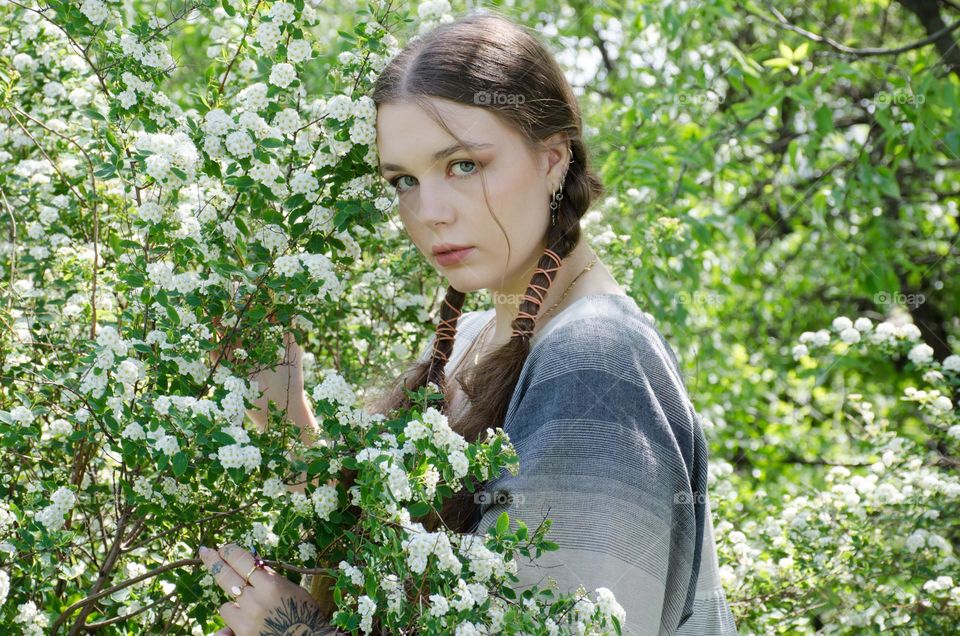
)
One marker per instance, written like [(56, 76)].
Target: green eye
[(395, 182), (474, 165)]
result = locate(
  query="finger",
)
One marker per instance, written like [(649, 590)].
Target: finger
[(223, 574), (240, 560), (226, 631), (232, 615)]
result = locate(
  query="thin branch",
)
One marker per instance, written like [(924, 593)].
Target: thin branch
[(784, 23)]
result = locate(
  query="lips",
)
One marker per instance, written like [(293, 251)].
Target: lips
[(448, 247), (454, 256)]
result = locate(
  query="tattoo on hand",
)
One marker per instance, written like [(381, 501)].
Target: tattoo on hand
[(216, 567), (297, 618)]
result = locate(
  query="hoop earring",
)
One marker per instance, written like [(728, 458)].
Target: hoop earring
[(555, 202), (558, 195)]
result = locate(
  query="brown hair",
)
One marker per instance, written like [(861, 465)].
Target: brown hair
[(486, 53)]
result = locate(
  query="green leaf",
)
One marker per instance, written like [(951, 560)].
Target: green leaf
[(271, 142), (172, 313), (180, 463), (419, 509), (503, 523)]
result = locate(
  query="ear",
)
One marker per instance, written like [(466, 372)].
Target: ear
[(557, 156)]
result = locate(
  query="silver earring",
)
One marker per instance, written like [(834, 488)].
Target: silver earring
[(555, 201)]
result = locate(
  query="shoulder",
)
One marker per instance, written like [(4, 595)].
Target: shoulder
[(608, 332), (607, 362)]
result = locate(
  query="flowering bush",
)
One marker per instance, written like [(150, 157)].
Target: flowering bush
[(166, 165), (876, 533), (143, 218)]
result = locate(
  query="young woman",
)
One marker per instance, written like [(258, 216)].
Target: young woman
[(480, 135)]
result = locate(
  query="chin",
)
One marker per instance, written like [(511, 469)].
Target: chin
[(463, 282)]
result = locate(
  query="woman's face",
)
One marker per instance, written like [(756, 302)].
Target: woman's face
[(441, 196)]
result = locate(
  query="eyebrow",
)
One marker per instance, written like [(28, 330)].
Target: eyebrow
[(440, 154)]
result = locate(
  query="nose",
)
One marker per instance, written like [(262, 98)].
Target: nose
[(433, 207)]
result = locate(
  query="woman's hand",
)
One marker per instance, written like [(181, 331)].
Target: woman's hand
[(268, 604), (282, 383)]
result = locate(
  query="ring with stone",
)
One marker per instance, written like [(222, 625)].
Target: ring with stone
[(256, 566), (236, 590)]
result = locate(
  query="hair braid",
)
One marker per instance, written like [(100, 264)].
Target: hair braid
[(450, 312)]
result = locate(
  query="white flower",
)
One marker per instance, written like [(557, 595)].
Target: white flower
[(334, 388), (366, 607), (273, 488), (254, 97), (95, 10), (303, 182), (951, 363), (63, 498), (287, 120), (217, 122), (460, 464), (908, 331), (920, 354), (340, 107), (298, 51), (942, 404), (22, 415), (282, 74), (133, 431), (4, 587), (239, 456), (884, 333), (308, 552), (850, 335), (325, 501), (160, 274), (268, 34), (841, 323), (282, 12), (239, 144), (439, 606), (355, 573), (916, 540), (129, 372), (609, 606), (467, 629), (940, 584), (168, 445), (150, 212), (288, 265), (399, 483), (416, 430)]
